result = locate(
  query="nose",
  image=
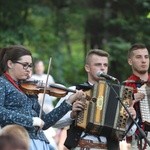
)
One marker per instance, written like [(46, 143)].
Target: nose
[(29, 71), (103, 67), (143, 59)]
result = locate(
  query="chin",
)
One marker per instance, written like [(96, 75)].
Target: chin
[(143, 71)]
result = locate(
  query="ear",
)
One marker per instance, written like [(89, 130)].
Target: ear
[(87, 69), (130, 62), (9, 64)]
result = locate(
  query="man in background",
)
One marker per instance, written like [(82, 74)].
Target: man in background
[(39, 74), (138, 59)]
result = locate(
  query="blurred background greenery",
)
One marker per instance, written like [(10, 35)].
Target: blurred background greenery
[(66, 29)]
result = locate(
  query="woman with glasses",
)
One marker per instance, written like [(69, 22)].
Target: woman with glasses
[(16, 107)]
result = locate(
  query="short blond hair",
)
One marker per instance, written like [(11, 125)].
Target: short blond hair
[(98, 52), (15, 136)]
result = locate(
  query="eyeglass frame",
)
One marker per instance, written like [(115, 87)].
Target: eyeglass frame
[(25, 65)]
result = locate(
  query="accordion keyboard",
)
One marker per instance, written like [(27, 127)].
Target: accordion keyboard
[(145, 104)]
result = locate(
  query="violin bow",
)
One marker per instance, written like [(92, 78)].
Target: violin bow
[(48, 71)]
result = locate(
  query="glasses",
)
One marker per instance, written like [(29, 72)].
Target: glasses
[(25, 65)]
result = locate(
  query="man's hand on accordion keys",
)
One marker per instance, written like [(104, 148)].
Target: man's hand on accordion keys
[(138, 97), (79, 102), (77, 107)]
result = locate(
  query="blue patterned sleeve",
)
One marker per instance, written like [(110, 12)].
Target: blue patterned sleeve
[(53, 116), (8, 116), (56, 114)]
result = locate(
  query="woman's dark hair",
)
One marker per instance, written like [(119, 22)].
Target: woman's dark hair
[(12, 53)]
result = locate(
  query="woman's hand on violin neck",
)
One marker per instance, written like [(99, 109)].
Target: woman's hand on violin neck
[(38, 122), (79, 95), (77, 107)]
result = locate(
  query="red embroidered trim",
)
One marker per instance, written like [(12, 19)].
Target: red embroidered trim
[(11, 81)]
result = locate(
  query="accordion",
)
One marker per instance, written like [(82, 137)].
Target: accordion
[(103, 113)]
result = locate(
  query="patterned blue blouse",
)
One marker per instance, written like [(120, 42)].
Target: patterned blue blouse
[(19, 108)]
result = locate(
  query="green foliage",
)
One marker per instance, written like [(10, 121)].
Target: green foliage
[(66, 30), (118, 49)]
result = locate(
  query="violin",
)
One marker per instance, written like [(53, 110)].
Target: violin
[(36, 87)]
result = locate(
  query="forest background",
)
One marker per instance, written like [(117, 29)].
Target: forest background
[(66, 29)]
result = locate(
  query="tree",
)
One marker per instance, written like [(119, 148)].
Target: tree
[(66, 30)]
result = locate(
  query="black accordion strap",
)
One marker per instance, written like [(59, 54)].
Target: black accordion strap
[(85, 86)]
